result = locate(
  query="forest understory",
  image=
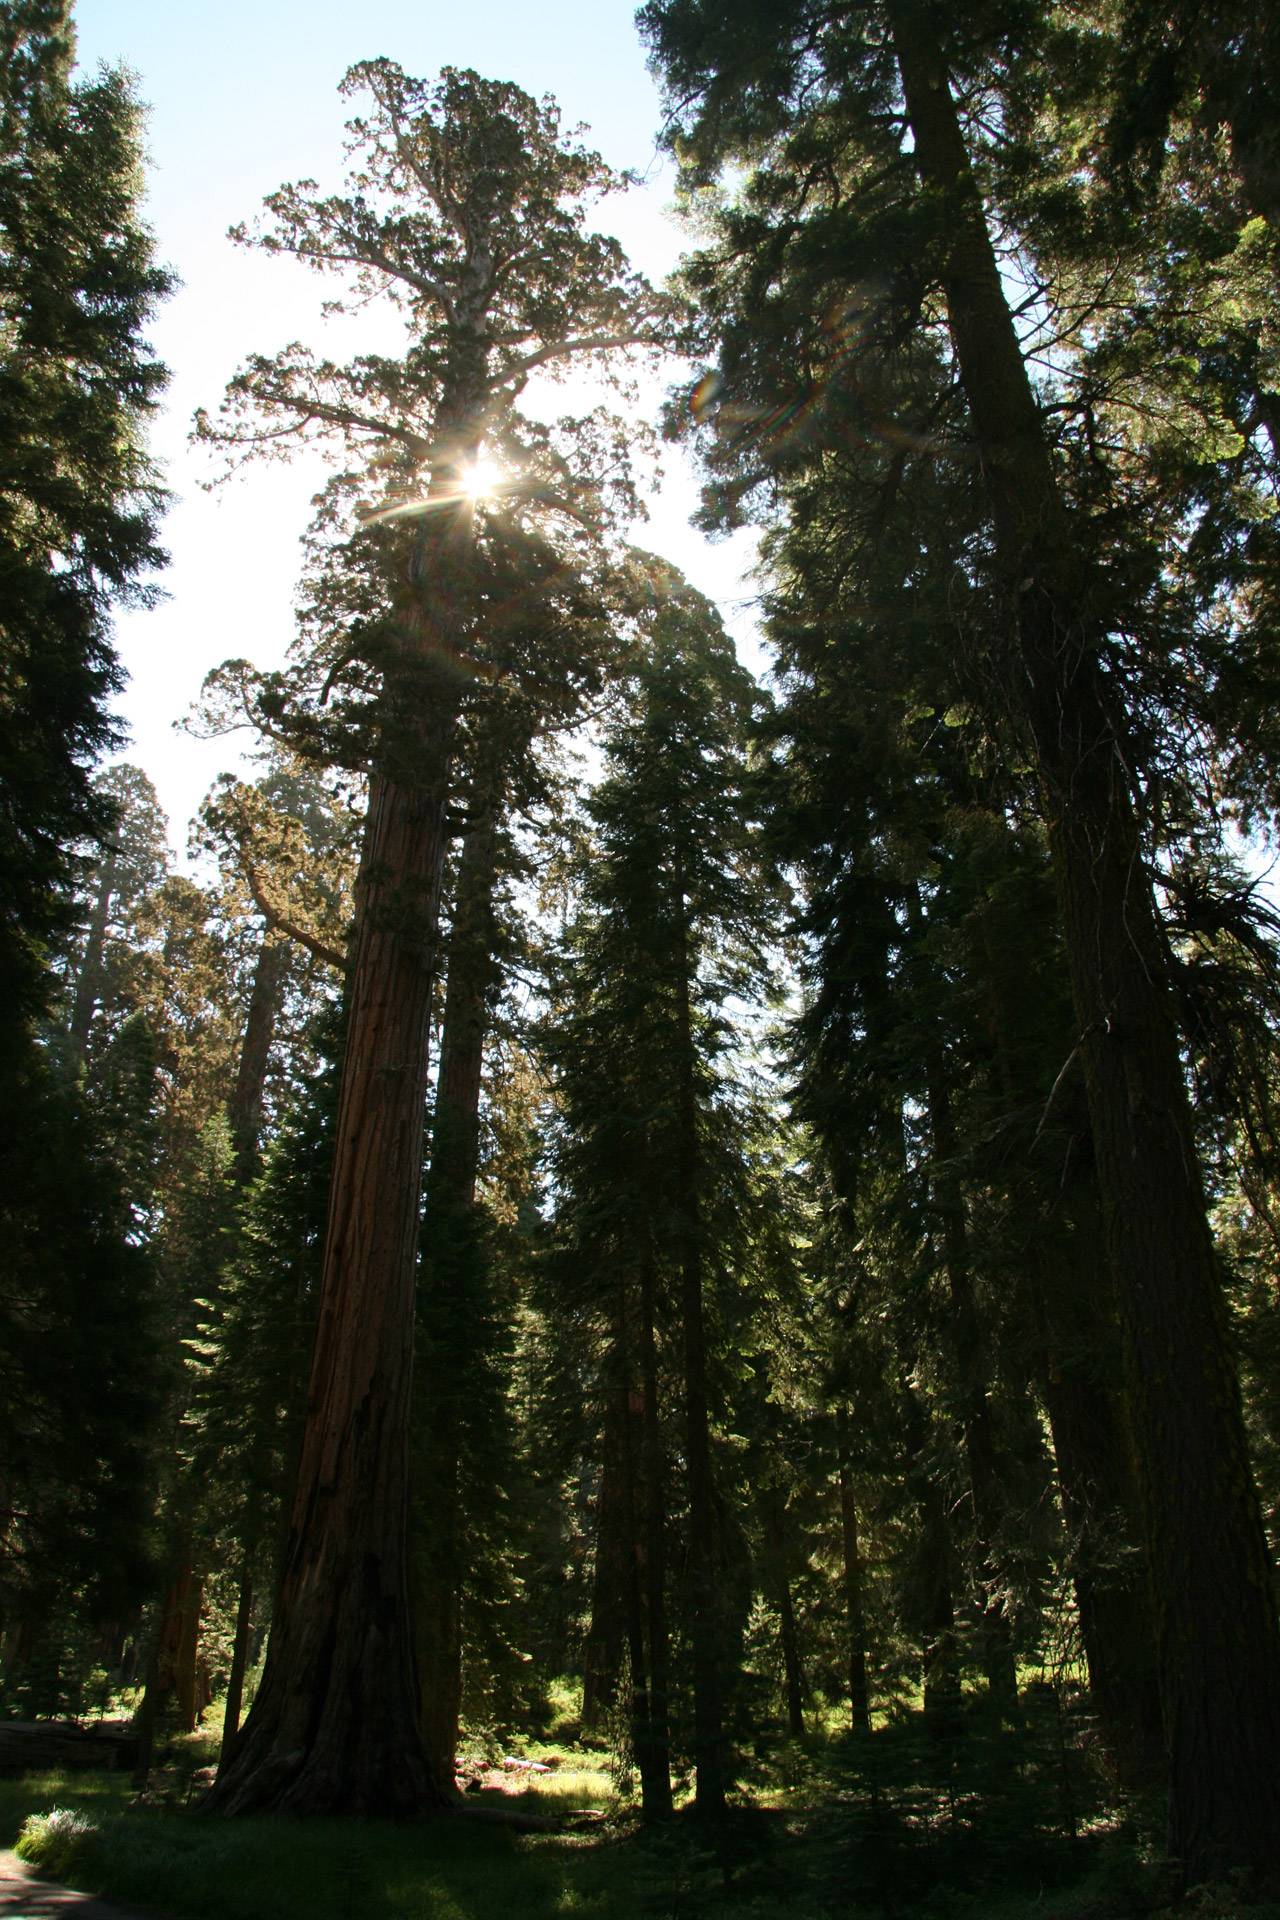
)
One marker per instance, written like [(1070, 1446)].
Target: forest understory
[(1000, 1822)]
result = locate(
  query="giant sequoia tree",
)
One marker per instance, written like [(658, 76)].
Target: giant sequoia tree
[(566, 646), (864, 244), (468, 212)]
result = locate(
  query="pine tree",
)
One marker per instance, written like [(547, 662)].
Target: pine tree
[(1058, 582), (79, 504), (79, 500), (675, 909)]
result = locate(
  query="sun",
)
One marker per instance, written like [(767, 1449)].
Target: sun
[(482, 480)]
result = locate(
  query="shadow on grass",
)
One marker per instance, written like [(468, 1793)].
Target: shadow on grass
[(985, 1823)]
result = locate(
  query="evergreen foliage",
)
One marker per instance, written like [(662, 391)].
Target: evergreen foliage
[(79, 499), (618, 1229)]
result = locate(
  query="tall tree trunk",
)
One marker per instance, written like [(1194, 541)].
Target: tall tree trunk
[(173, 1614), (335, 1727), (1095, 1476), (1073, 1303), (1093, 1450), (185, 1677), (245, 1110), (855, 1615), (246, 1103), (792, 1672), (455, 1133), (935, 1559), (239, 1665), (607, 1634), (89, 979), (656, 1784), (708, 1732), (168, 1646), (145, 1722), (975, 1408), (447, 1302), (1217, 1637), (649, 1744)]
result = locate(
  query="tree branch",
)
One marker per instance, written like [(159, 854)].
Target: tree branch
[(280, 923)]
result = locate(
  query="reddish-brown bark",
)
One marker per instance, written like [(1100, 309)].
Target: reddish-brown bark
[(239, 1665), (440, 1570), (246, 1104), (335, 1725)]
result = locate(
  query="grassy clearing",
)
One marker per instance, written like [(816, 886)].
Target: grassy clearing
[(174, 1862)]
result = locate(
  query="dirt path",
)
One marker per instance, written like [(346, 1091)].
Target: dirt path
[(24, 1897)]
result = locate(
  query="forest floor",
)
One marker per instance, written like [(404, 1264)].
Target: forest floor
[(891, 1827)]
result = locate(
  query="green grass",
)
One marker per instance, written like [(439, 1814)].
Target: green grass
[(173, 1862), (992, 1827), (177, 1863)]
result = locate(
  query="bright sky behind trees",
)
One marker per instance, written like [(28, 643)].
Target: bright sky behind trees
[(243, 96)]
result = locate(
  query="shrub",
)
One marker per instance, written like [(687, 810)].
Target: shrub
[(52, 1841)]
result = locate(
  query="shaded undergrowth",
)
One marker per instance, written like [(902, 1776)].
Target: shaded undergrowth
[(977, 1820)]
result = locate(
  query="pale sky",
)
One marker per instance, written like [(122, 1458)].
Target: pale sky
[(244, 96)]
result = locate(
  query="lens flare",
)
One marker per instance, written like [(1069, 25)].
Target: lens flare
[(483, 480)]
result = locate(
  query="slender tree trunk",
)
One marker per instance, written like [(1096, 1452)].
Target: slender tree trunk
[(792, 1672), (708, 1732), (173, 1614), (855, 1617), (1218, 1641), (935, 1560), (239, 1664), (447, 1300), (1093, 1450), (171, 1655), (185, 1674), (455, 1146), (607, 1635), (145, 1724), (657, 1784), (975, 1409), (650, 1748), (245, 1111), (246, 1104), (89, 980)]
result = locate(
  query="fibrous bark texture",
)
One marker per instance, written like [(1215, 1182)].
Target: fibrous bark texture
[(448, 1305), (335, 1726)]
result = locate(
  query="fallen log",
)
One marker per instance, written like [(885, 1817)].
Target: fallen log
[(43, 1746)]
